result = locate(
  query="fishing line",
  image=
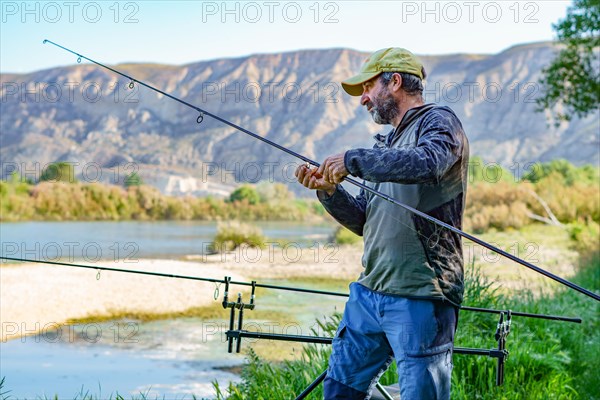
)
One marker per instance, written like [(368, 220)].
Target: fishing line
[(218, 283), (363, 186)]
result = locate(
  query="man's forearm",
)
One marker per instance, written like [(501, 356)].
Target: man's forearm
[(345, 208)]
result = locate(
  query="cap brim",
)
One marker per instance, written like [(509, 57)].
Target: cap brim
[(353, 86)]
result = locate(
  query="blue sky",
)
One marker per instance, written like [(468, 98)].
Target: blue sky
[(180, 32)]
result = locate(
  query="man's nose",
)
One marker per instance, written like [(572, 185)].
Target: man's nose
[(364, 98)]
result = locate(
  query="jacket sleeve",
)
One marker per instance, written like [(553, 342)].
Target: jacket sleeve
[(437, 149), (345, 208)]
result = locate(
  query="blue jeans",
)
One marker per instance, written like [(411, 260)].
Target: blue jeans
[(375, 329)]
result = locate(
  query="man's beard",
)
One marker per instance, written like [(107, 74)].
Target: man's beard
[(384, 108)]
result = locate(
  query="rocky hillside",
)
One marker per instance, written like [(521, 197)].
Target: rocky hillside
[(89, 116)]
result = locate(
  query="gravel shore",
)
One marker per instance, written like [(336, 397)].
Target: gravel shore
[(33, 297)]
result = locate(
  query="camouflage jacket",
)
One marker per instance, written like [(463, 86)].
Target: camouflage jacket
[(423, 164)]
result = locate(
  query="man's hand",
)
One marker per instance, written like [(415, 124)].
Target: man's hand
[(312, 179), (333, 169)]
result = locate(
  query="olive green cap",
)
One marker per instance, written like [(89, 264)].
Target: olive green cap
[(392, 59)]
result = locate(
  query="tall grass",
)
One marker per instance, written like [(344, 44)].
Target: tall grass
[(262, 380), (547, 359)]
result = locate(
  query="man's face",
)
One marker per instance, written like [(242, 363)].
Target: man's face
[(379, 102)]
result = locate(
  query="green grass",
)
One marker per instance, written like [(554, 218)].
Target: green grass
[(265, 380), (548, 360)]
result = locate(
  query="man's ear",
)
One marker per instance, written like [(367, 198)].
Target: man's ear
[(396, 82)]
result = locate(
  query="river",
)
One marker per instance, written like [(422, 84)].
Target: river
[(92, 241)]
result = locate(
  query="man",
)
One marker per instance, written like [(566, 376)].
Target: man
[(405, 302)]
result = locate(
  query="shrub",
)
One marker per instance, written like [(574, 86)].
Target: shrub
[(568, 203), (585, 236), (343, 235), (273, 192), (568, 172), (233, 234), (133, 179), (59, 172), (245, 192)]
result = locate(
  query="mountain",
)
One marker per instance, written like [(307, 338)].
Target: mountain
[(89, 116)]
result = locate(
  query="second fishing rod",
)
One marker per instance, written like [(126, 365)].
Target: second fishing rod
[(202, 113)]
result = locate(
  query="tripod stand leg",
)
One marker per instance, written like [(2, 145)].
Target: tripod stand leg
[(383, 392), (312, 386)]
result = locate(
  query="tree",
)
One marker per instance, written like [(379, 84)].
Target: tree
[(59, 172), (16, 179), (270, 192), (570, 173), (133, 179), (573, 78), (245, 192)]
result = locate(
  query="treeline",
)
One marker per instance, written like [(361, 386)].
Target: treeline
[(61, 201), (555, 192)]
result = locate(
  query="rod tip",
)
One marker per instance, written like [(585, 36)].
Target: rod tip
[(45, 41)]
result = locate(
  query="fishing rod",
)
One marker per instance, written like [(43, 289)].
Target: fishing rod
[(307, 160), (254, 284), (164, 275)]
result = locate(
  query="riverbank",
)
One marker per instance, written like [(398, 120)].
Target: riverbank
[(36, 297)]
